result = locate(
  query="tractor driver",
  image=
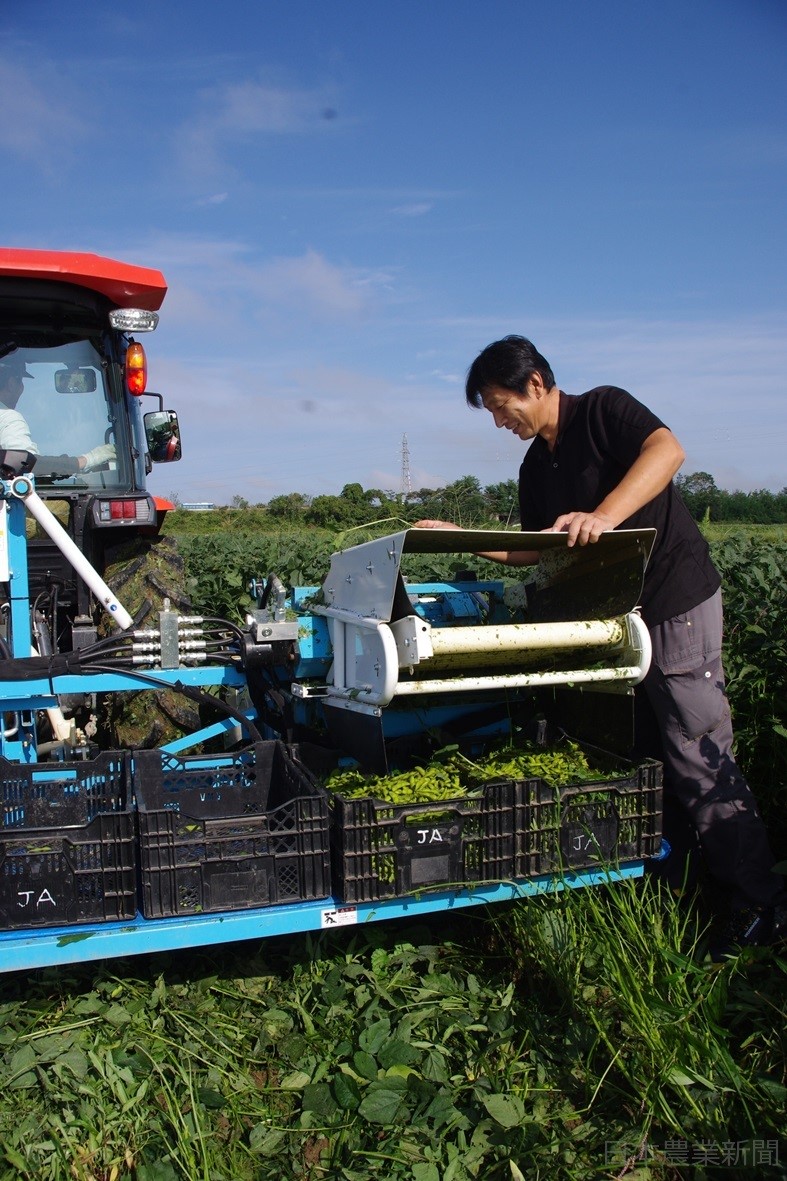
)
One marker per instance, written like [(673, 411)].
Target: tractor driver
[(14, 431)]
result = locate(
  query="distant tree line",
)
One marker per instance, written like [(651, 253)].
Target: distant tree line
[(464, 502), (708, 502), (467, 503)]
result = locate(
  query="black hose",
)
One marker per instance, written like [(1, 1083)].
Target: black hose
[(227, 625), (190, 691)]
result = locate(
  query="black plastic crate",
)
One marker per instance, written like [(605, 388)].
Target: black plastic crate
[(206, 786), (60, 794), (589, 825), (51, 877), (504, 830), (383, 850), (229, 832)]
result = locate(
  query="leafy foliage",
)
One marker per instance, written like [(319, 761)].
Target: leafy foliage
[(221, 567), (754, 583), (467, 503), (522, 1043), (464, 502), (328, 1065)]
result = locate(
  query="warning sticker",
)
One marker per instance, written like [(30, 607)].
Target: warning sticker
[(343, 916)]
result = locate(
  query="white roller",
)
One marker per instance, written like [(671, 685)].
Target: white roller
[(522, 644), (628, 675), (367, 659), (516, 637)]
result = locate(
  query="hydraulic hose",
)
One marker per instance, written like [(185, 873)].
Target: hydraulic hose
[(190, 691)]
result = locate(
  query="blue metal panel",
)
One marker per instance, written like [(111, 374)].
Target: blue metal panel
[(38, 690), (24, 950), (314, 647), (225, 726)]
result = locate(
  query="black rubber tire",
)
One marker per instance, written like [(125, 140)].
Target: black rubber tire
[(146, 571)]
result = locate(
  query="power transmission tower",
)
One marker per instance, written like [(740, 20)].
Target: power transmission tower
[(406, 489)]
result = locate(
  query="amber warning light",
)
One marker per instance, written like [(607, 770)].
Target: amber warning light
[(136, 369)]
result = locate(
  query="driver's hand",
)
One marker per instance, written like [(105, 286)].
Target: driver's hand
[(104, 453)]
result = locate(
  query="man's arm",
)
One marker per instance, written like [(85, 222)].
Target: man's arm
[(68, 465), (506, 557), (660, 457), (15, 436), (15, 433)]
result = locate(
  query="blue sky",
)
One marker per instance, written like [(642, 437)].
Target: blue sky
[(350, 199)]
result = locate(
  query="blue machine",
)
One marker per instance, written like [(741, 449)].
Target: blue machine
[(108, 854)]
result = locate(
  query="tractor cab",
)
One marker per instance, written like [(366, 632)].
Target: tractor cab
[(75, 412), (72, 374)]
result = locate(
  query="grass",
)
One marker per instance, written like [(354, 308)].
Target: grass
[(716, 531), (562, 1037), (671, 1046)]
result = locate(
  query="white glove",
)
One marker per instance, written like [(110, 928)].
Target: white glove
[(104, 453)]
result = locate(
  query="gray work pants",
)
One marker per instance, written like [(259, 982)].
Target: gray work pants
[(685, 687)]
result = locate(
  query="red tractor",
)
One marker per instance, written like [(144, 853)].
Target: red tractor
[(72, 382)]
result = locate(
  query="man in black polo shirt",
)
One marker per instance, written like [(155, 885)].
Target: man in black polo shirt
[(603, 461)]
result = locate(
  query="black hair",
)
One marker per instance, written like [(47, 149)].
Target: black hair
[(508, 363)]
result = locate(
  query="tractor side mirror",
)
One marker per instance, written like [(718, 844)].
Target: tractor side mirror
[(162, 432)]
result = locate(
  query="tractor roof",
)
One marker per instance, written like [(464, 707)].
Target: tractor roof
[(126, 286)]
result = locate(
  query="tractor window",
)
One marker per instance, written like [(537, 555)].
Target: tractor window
[(71, 421)]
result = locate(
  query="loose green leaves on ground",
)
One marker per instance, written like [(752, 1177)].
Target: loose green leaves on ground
[(533, 1036)]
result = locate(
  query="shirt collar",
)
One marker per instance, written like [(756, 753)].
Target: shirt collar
[(566, 412)]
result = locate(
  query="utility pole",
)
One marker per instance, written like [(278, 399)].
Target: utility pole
[(406, 489)]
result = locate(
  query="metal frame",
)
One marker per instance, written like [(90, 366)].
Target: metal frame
[(375, 654), (55, 946)]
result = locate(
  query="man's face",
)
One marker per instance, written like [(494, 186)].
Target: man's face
[(519, 413)]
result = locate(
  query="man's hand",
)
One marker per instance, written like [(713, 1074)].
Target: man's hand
[(104, 453), (427, 524), (581, 527)]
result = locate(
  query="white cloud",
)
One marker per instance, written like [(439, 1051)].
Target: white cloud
[(413, 209), (220, 283), (37, 124), (311, 280), (296, 374), (254, 107), (213, 199), (237, 114)]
